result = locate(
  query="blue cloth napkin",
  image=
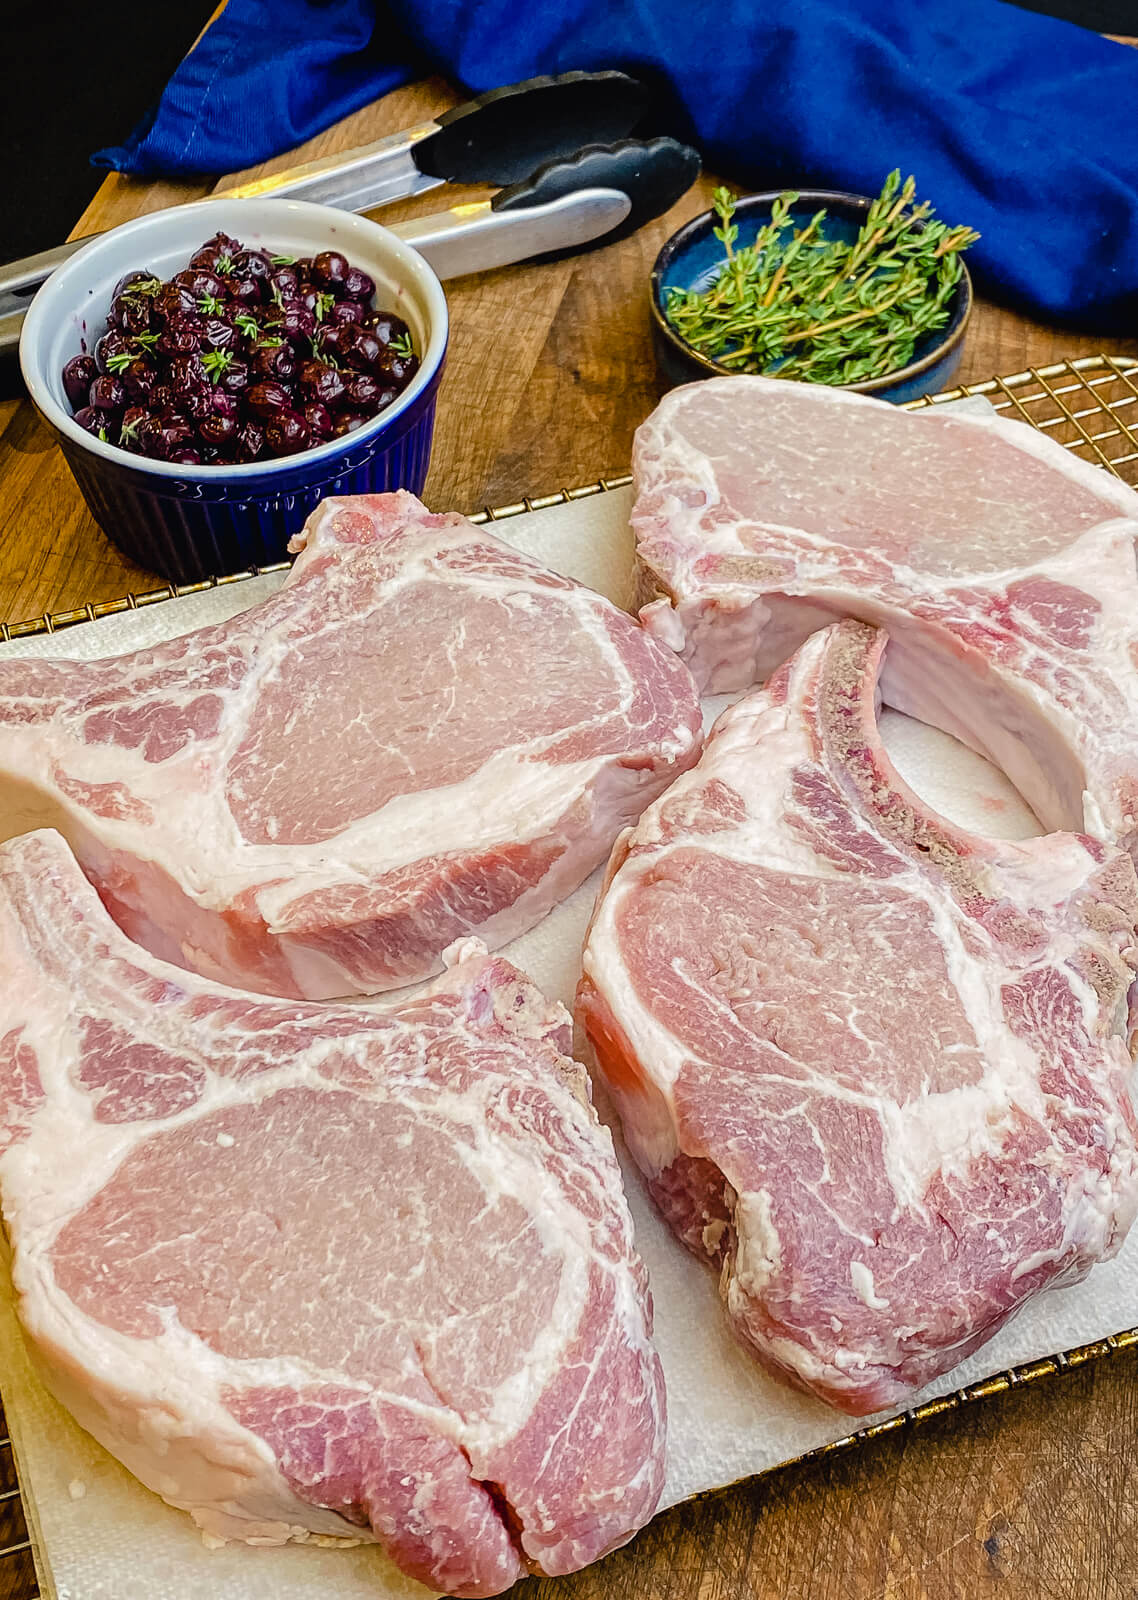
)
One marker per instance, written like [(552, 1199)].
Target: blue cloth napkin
[(1019, 125), (266, 76)]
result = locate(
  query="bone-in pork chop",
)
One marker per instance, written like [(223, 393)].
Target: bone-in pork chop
[(362, 1273), (423, 735), (873, 1067), (1002, 566)]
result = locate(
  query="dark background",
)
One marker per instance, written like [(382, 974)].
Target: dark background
[(1105, 16), (76, 77), (79, 76)]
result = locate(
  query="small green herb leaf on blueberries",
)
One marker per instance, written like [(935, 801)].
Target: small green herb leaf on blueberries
[(217, 363)]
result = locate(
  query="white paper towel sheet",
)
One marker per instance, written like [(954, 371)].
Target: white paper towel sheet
[(107, 1538)]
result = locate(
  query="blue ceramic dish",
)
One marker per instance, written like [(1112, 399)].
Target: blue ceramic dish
[(692, 257), (191, 523), (188, 529)]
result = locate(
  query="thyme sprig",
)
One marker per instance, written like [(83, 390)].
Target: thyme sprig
[(795, 304), (217, 363)]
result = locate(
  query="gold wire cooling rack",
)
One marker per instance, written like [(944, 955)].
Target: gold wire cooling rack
[(1084, 404), (1090, 406)]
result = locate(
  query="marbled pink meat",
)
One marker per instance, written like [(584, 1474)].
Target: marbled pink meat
[(359, 1273), (423, 735), (874, 1068), (1002, 566)]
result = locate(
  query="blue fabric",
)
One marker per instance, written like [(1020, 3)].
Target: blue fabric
[(1019, 125), (265, 76)]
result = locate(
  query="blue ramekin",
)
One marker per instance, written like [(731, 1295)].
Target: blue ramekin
[(191, 523), (692, 256)]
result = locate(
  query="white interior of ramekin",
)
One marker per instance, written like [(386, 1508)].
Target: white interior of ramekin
[(68, 315)]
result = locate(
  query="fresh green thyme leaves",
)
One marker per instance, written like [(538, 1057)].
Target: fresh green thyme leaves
[(797, 304)]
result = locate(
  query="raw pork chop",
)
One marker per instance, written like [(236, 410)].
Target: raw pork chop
[(1002, 566), (874, 1068), (424, 734), (361, 1273)]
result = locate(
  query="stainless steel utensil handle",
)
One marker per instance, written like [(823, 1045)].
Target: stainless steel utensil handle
[(472, 238), (476, 238), (29, 273), (483, 141), (10, 324), (355, 180)]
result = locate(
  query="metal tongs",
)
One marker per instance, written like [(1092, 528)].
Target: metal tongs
[(570, 178)]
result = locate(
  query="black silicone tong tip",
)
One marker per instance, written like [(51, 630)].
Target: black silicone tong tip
[(502, 136), (654, 175)]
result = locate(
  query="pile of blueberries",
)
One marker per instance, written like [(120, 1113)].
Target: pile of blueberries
[(244, 356)]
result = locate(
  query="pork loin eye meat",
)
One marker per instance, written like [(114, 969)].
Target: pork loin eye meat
[(874, 1068), (367, 1273), (423, 735), (1002, 567)]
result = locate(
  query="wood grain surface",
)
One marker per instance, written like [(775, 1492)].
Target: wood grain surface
[(1031, 1496)]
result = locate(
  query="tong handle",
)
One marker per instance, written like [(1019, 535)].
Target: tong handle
[(24, 277), (653, 174), (593, 197), (476, 238), (497, 138)]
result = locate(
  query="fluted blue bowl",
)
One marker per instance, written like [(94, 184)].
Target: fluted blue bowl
[(692, 257), (188, 523)]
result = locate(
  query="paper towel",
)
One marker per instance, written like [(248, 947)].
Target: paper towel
[(727, 1420)]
